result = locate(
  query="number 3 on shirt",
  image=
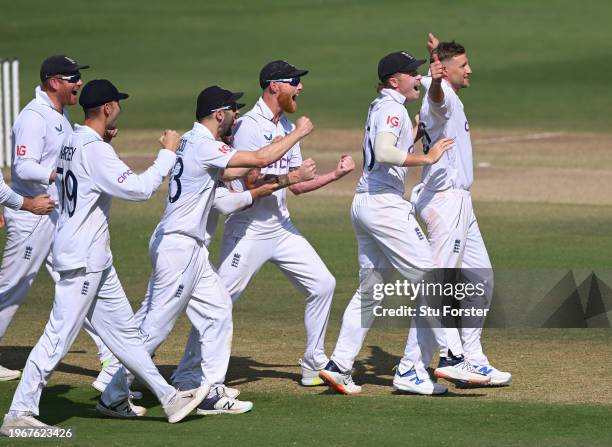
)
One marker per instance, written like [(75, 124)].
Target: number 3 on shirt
[(177, 171), (70, 187)]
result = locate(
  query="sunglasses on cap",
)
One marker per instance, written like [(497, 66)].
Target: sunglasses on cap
[(294, 82), (73, 79), (233, 107)]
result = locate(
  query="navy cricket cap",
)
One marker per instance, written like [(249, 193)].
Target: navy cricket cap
[(216, 98), (59, 65), (98, 92), (279, 70), (398, 62)]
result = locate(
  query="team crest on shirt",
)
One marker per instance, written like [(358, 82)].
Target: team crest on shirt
[(224, 149)]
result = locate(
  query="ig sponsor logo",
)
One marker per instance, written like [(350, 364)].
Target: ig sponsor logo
[(393, 121)]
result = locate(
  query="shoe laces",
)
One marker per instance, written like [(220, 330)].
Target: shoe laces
[(467, 366), (347, 378)]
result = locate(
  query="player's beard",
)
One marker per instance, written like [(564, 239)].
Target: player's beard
[(287, 103), (225, 129)]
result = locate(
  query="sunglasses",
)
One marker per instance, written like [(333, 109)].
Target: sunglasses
[(233, 107), (73, 79), (294, 82)]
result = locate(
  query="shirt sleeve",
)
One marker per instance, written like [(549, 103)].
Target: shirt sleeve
[(245, 135), (391, 118), (215, 154), (444, 108), (8, 197), (227, 202), (112, 176), (29, 135)]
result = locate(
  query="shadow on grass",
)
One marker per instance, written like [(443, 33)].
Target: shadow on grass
[(14, 357)]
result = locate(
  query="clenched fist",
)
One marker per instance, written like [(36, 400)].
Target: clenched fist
[(345, 165), (307, 170), (304, 126), (170, 140)]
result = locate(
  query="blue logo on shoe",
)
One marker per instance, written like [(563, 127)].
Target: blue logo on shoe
[(412, 372), (485, 370)]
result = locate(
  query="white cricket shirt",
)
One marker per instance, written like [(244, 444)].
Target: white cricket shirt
[(269, 215), (226, 202), (200, 161), (89, 175), (386, 114), (38, 134), (447, 119)]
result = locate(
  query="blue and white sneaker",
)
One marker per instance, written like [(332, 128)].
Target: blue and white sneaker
[(459, 368), (411, 382), (498, 378), (219, 401)]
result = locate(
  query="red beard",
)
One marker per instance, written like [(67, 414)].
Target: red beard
[(286, 102)]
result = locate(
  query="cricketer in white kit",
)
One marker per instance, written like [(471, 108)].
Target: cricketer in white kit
[(388, 235), (183, 278), (89, 175), (443, 199), (38, 133), (40, 205), (264, 232)]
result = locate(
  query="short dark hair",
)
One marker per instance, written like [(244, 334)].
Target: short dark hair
[(92, 112), (446, 50)]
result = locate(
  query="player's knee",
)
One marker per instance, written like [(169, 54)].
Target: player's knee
[(325, 286)]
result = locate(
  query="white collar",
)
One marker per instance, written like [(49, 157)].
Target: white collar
[(396, 96), (202, 129), (264, 110), (81, 128)]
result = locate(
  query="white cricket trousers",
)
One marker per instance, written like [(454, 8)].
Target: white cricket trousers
[(100, 297), (183, 280), (389, 239), (28, 244), (456, 242), (242, 258)]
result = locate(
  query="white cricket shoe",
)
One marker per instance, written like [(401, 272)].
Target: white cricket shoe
[(101, 386), (13, 422), (310, 377), (8, 374), (219, 401), (459, 368), (123, 410), (498, 378), (412, 383), (185, 402), (341, 382)]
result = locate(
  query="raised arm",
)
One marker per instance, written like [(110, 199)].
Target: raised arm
[(345, 165), (136, 187), (274, 151)]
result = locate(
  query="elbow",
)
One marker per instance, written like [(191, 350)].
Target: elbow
[(262, 162), (295, 189)]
